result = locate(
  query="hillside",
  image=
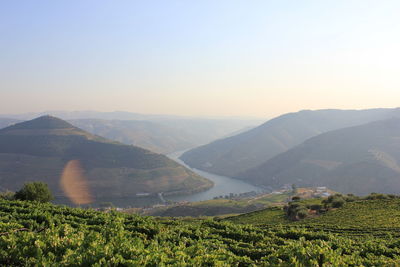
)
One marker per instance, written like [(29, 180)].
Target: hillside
[(220, 206), (45, 234), (158, 133), (355, 218), (162, 136), (234, 155), (360, 160), (47, 149), (146, 134), (377, 217), (4, 122), (233, 204)]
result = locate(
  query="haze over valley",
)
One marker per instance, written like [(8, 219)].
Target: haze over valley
[(348, 151)]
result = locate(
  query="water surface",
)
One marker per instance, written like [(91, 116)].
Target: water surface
[(222, 185)]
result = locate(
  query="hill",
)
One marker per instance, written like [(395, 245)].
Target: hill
[(377, 217), (219, 206), (234, 155), (360, 160), (232, 204), (45, 234), (4, 122), (355, 218), (146, 134), (158, 133), (48, 149), (161, 136)]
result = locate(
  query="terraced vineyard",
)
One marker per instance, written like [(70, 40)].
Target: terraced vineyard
[(269, 216), (45, 234), (378, 218), (372, 217)]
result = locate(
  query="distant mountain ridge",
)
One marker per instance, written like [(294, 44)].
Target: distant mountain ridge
[(234, 155), (5, 122), (40, 149), (159, 133), (359, 159)]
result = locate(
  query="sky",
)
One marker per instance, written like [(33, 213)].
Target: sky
[(254, 58)]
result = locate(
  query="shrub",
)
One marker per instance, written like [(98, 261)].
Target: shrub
[(35, 191), (295, 198), (316, 207), (302, 213), (7, 195), (374, 196), (296, 211), (351, 198), (338, 202)]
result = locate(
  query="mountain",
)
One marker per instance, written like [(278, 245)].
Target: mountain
[(164, 136), (84, 114), (146, 134), (359, 159), (4, 122), (120, 115), (159, 133), (47, 149), (236, 154)]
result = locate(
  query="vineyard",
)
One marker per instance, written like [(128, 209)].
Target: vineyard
[(379, 218), (373, 217), (45, 234)]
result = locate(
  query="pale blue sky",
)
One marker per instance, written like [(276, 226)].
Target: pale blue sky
[(246, 58)]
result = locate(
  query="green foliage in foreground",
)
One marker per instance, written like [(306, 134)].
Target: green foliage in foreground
[(44, 234)]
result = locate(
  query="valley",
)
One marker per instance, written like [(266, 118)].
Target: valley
[(199, 133), (222, 185), (287, 209)]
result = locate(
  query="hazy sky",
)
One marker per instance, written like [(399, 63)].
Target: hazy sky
[(249, 58)]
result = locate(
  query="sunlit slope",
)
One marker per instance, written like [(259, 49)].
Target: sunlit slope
[(236, 154), (39, 150), (361, 216), (358, 160), (379, 217)]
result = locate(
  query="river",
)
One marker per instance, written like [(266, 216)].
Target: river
[(222, 185)]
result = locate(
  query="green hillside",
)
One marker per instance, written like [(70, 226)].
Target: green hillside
[(234, 155), (220, 206), (376, 217), (41, 148), (358, 160), (45, 234)]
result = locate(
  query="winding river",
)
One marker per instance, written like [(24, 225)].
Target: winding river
[(222, 185)]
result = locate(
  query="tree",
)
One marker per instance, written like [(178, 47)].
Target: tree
[(296, 210), (316, 207), (302, 213), (34, 191), (294, 189), (296, 198), (338, 202)]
